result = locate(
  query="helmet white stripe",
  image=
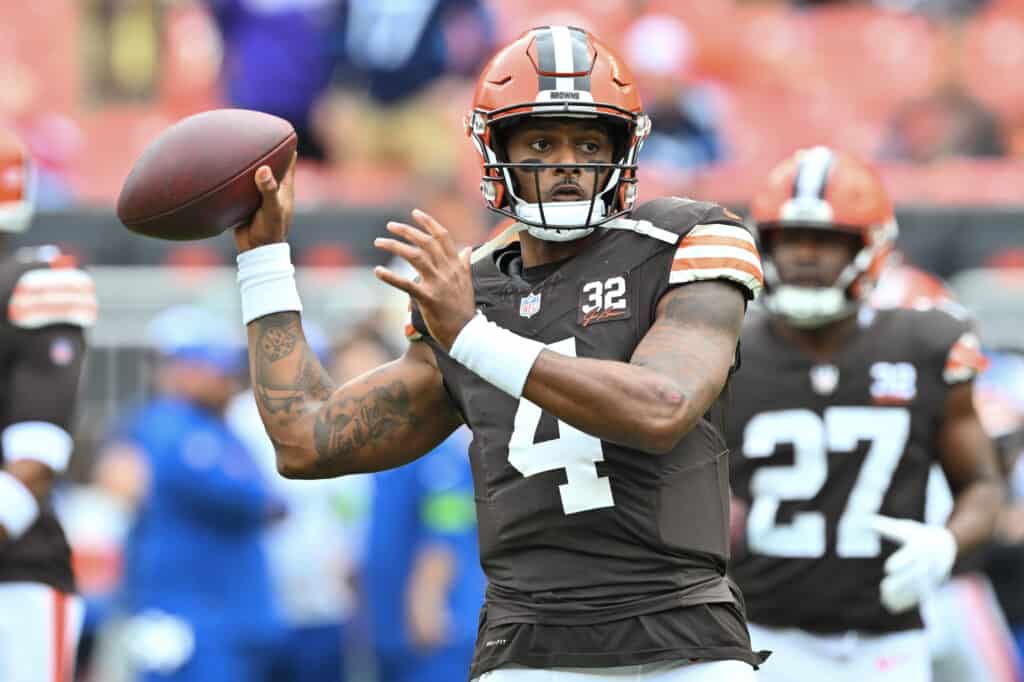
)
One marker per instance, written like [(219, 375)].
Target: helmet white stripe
[(812, 174), (563, 57)]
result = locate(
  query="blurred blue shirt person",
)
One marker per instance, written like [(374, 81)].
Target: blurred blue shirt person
[(315, 551), (422, 577), (196, 583)]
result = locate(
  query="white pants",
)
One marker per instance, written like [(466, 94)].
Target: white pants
[(39, 629), (968, 635), (799, 656), (671, 671)]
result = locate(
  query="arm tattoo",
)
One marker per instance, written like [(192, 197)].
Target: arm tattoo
[(282, 381), (352, 423), (299, 404)]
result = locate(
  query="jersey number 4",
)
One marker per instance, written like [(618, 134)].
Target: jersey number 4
[(840, 430), (575, 452)]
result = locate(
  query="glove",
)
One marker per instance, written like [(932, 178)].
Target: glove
[(920, 565)]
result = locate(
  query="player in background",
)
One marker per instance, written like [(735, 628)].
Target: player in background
[(48, 303), (969, 638), (583, 358), (834, 422)]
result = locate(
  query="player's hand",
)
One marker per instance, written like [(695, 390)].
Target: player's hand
[(272, 221), (919, 566), (444, 288)]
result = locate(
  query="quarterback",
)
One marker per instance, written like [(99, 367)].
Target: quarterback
[(835, 421), (582, 356)]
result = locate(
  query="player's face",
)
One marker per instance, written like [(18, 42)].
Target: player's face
[(552, 140), (811, 258)]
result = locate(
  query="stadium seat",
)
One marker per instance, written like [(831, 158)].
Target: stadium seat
[(993, 59)]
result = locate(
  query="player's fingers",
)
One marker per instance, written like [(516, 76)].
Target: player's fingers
[(895, 596), (401, 283), (901, 560), (466, 256), (266, 183), (410, 233), (436, 229), (412, 254), (288, 182), (242, 238), (289, 174), (888, 527)]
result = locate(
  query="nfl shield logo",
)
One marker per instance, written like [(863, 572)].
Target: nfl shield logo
[(824, 379), (529, 305)]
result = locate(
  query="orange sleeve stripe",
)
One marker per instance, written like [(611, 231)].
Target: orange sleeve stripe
[(709, 263), (712, 240)]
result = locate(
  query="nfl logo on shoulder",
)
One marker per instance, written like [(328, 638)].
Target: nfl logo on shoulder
[(529, 305)]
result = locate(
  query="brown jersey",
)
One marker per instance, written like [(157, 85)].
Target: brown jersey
[(819, 446), (46, 305), (575, 531)]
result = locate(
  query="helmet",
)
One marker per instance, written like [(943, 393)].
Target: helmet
[(15, 184), (820, 188), (566, 72)]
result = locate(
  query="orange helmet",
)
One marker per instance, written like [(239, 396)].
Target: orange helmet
[(825, 189), (15, 184), (567, 72)]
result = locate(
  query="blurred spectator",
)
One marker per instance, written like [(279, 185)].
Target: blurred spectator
[(314, 551), (196, 588), (945, 124), (277, 57), (399, 48), (684, 133), (423, 582), (423, 586)]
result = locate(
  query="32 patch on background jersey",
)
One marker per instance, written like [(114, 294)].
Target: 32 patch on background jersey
[(603, 300)]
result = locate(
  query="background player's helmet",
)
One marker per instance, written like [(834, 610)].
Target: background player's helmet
[(820, 188), (15, 184), (566, 72)]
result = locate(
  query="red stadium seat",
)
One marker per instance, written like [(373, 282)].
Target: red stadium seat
[(39, 56), (993, 59)]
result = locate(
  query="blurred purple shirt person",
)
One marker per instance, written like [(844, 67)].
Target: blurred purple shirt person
[(277, 57)]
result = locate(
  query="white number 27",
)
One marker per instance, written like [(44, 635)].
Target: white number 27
[(813, 438), (573, 451)]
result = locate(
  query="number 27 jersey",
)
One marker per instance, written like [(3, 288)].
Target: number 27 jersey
[(816, 447)]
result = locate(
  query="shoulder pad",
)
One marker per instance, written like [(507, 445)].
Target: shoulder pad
[(680, 215), (47, 296)]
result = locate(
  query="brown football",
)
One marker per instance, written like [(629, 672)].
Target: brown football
[(195, 180)]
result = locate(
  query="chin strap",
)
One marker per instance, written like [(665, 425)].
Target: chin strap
[(643, 227)]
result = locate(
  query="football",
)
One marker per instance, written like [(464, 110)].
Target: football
[(195, 180)]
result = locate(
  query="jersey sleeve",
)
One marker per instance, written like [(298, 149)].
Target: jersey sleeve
[(43, 342), (954, 346), (415, 327), (964, 359), (718, 250), (49, 296)]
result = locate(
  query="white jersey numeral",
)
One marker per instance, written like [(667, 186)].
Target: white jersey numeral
[(887, 429), (573, 451)]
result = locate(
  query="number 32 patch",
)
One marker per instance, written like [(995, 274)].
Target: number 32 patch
[(603, 300)]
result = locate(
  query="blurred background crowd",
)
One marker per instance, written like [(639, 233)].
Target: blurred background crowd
[(378, 576)]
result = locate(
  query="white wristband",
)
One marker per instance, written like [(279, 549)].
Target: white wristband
[(18, 506), (266, 278), (40, 441), (495, 354)]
